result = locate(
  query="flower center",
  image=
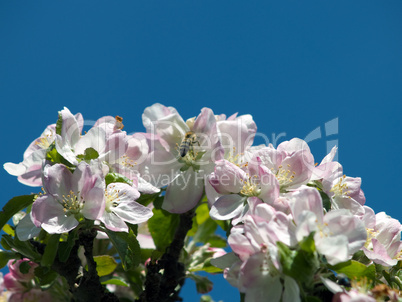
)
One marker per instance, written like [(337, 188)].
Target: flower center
[(251, 187), (72, 203), (126, 161), (323, 229), (285, 175), (44, 142), (341, 188), (112, 198), (370, 235)]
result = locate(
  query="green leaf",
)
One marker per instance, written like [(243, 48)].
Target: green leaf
[(13, 206), (299, 264), (116, 177), (202, 284), (205, 298), (205, 231), (59, 123), (146, 199), (217, 241), (308, 244), (24, 267), (162, 226), (65, 247), (45, 277), (326, 201), (9, 230), (23, 247), (158, 202), (105, 265), (55, 157), (207, 267), (114, 280), (353, 269), (6, 256), (89, 153), (127, 246), (50, 250)]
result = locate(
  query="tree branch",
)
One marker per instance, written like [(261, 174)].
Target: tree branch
[(166, 287)]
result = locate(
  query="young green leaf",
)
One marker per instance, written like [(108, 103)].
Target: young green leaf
[(45, 276), (23, 247), (162, 226), (353, 269), (116, 177), (89, 153), (113, 280), (6, 256), (13, 206), (66, 246), (127, 247), (50, 250), (300, 264), (105, 265)]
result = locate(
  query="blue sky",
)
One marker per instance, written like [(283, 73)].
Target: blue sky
[(293, 65)]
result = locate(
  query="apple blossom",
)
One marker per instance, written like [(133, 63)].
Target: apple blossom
[(338, 233), (104, 141), (69, 197), (345, 192), (236, 184), (121, 207), (384, 245), (30, 169), (185, 174), (293, 227), (291, 162)]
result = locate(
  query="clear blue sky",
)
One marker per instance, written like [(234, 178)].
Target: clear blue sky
[(293, 65)]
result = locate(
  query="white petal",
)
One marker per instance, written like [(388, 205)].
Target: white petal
[(114, 222), (26, 229), (184, 192), (94, 138), (133, 212), (292, 291), (14, 169), (227, 207)]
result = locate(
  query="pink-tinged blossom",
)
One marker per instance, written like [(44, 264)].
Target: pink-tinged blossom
[(121, 207), (108, 142), (263, 225), (236, 135), (21, 287), (383, 244), (258, 277), (17, 275), (326, 167), (29, 171), (237, 184), (353, 296), (292, 162), (338, 233), (257, 272), (184, 174), (69, 197), (344, 191)]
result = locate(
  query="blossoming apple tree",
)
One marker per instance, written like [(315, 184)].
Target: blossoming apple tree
[(128, 217)]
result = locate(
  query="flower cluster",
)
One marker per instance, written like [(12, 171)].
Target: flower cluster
[(73, 170), (296, 229)]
